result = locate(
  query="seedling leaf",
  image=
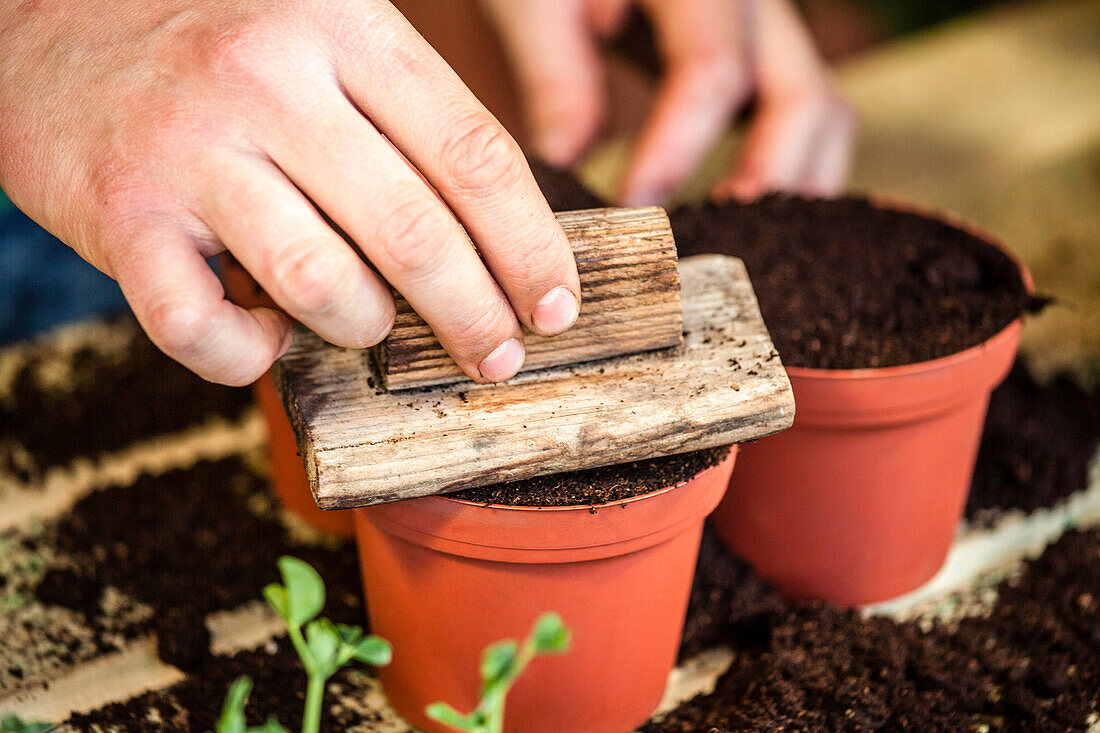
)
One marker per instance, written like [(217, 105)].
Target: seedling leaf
[(232, 718), (323, 641), (550, 634), (270, 726), (276, 598), (350, 635), (374, 650), (443, 713), (14, 724), (305, 591), (498, 660)]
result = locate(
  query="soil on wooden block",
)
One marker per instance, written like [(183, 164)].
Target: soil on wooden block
[(598, 485), (844, 284), (186, 543), (1038, 443), (279, 691), (101, 403), (1029, 662)]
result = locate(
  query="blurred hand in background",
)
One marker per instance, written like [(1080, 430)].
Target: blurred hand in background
[(718, 55)]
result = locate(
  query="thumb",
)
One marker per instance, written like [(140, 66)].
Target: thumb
[(558, 65)]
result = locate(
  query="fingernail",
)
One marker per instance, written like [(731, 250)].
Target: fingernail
[(556, 312), (503, 362)]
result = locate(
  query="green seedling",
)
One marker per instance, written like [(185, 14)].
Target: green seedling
[(14, 724), (323, 647), (501, 665), (232, 718)]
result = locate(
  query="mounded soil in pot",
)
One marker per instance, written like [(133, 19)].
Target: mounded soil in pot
[(598, 485), (846, 284)]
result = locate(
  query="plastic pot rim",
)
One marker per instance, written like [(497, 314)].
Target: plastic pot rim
[(574, 533)]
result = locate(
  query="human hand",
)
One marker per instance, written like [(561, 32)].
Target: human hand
[(718, 54), (150, 136)]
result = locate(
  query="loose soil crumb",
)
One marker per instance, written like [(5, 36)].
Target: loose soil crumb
[(1039, 441), (598, 485), (106, 403), (844, 284), (194, 705), (1033, 663)]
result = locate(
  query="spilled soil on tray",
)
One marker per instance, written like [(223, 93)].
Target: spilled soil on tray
[(1030, 662), (186, 543), (1038, 443), (105, 402)]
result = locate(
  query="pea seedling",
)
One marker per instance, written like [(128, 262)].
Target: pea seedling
[(501, 665), (323, 647), (14, 724)]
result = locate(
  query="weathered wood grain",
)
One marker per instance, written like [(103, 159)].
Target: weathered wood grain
[(630, 293), (363, 445)]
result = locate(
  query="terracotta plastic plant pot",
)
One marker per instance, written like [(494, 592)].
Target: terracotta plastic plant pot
[(859, 501), (445, 577), (288, 475)]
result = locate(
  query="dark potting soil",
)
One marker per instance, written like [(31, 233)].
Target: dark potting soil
[(194, 704), (598, 485), (1032, 663), (845, 284), (1039, 440), (724, 593), (562, 189), (187, 542), (112, 403)]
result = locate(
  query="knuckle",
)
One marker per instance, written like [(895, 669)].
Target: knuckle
[(411, 233), (720, 72), (481, 156), (482, 329), (311, 275), (542, 257), (179, 327), (122, 199), (234, 52)]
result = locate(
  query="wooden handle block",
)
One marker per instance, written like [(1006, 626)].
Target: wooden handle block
[(630, 292), (363, 445)]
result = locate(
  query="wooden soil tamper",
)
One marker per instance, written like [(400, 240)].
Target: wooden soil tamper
[(721, 382), (626, 259)]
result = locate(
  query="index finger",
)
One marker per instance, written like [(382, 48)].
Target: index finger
[(399, 82)]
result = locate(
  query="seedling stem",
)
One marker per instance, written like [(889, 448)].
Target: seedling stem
[(501, 665)]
